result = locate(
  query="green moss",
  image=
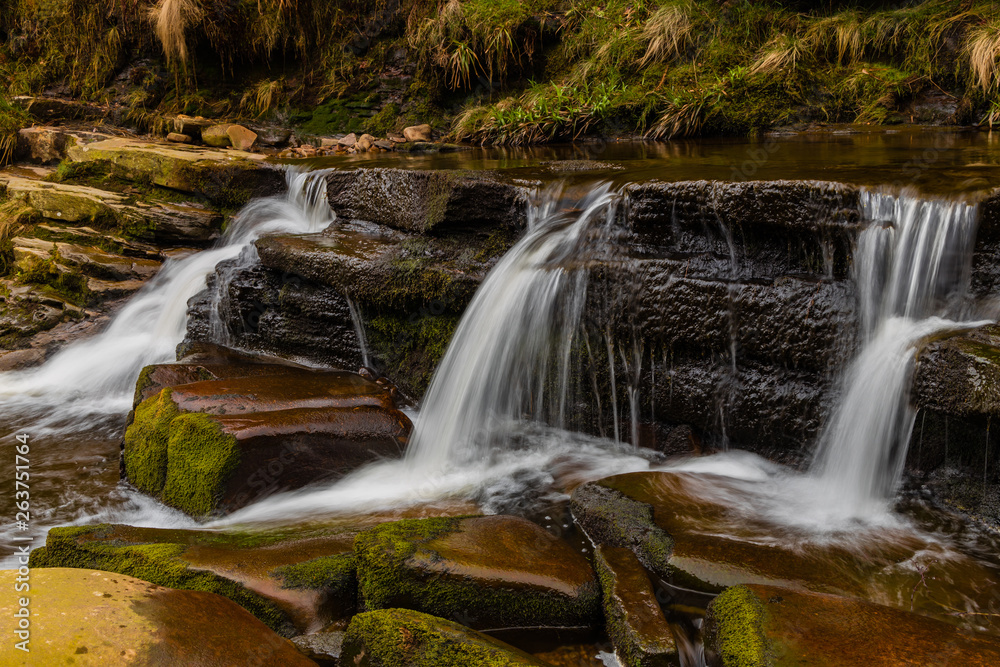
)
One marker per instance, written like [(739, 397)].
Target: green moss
[(403, 638), (144, 382), (337, 574), (385, 121), (86, 547), (736, 630), (183, 459), (410, 348)]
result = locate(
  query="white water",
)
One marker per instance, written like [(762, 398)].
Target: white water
[(911, 270), (509, 358), (96, 377)]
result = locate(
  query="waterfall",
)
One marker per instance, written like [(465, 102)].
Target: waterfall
[(911, 269), (509, 357), (97, 376)]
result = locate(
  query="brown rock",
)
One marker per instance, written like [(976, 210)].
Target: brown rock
[(86, 617), (365, 142), (395, 138), (179, 138), (384, 144), (418, 133), (191, 126), (242, 139), (217, 136), (41, 145), (349, 141)]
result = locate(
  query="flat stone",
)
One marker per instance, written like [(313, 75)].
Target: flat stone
[(405, 637), (55, 108), (640, 633), (418, 133), (217, 136), (85, 617), (204, 447), (384, 144), (490, 572), (423, 200), (323, 647), (349, 141), (90, 260), (179, 138), (191, 126), (758, 626), (60, 201), (241, 138)]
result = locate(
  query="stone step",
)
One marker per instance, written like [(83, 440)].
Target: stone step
[(89, 260)]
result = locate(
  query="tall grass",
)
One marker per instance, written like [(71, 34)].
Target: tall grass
[(171, 20)]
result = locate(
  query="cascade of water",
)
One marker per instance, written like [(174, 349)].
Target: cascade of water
[(359, 330), (521, 322), (911, 269), (97, 376)]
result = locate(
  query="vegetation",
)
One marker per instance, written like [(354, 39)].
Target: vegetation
[(510, 72)]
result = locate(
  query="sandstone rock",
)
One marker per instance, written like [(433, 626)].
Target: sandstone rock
[(191, 126), (217, 136), (404, 637), (395, 138), (17, 360), (273, 136), (758, 626), (292, 580), (41, 145), (384, 144), (492, 572), (418, 133), (89, 260), (179, 138), (425, 200), (349, 141), (241, 138), (204, 447), (226, 178), (365, 142), (328, 142), (323, 647), (641, 635), (85, 617)]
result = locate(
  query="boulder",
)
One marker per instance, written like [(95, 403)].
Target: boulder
[(640, 633), (384, 144), (325, 648), (404, 637), (273, 136), (213, 446), (191, 126), (490, 572), (960, 375), (241, 138), (84, 617), (420, 201), (217, 136), (41, 145), (292, 580), (228, 179), (349, 141), (365, 142), (418, 133), (765, 626), (179, 138)]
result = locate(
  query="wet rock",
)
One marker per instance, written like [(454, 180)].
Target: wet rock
[(365, 142), (226, 178), (349, 141), (106, 619), (213, 446), (56, 109), (41, 145), (191, 126), (960, 375), (241, 138), (640, 633), (418, 133), (293, 580), (423, 200), (273, 136), (179, 138), (757, 625), (217, 136), (325, 648), (90, 261), (17, 360), (404, 637), (490, 572)]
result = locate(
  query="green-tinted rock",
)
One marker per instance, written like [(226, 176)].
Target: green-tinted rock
[(82, 617), (960, 376), (405, 638), (640, 633), (489, 572), (765, 626)]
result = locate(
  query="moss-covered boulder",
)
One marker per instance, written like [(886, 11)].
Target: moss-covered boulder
[(406, 638), (419, 201), (292, 580), (640, 633), (226, 178), (213, 446), (766, 626), (84, 617), (488, 572), (960, 376)]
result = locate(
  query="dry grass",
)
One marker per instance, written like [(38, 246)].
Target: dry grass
[(667, 32), (982, 47), (781, 54), (171, 20)]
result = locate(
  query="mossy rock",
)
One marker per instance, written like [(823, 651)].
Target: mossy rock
[(294, 580), (489, 572), (406, 638), (765, 626), (84, 617), (636, 624)]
